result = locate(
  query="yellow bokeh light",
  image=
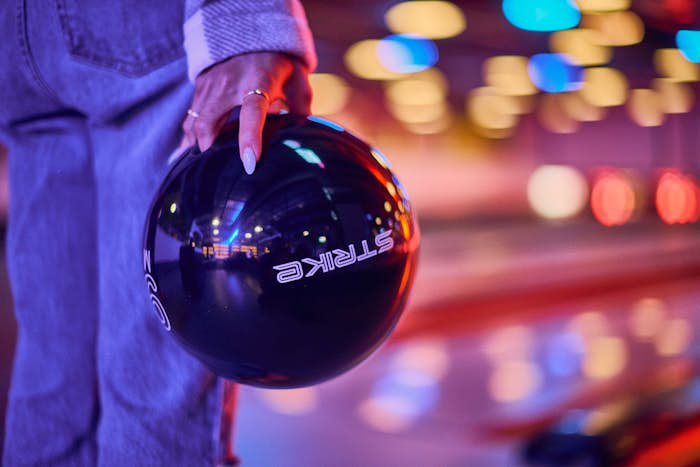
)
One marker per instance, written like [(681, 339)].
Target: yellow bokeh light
[(552, 115), (432, 127), (490, 110), (418, 113), (582, 45), (673, 338), (676, 98), (508, 75), (362, 60), (557, 191), (588, 6), (514, 380), (645, 108), (331, 93), (647, 317), (433, 19), (670, 63), (291, 401), (415, 92), (616, 29), (577, 108), (604, 87), (605, 357)]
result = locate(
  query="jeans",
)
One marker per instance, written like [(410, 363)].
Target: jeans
[(92, 97)]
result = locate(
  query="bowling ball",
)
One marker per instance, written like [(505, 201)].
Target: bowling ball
[(292, 275)]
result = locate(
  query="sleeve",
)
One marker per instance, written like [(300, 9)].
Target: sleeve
[(215, 30)]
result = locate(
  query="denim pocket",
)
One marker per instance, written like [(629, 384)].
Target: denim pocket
[(133, 37)]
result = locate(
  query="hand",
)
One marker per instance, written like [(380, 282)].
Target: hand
[(225, 85)]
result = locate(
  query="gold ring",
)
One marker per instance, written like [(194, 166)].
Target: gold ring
[(258, 92), (192, 113)]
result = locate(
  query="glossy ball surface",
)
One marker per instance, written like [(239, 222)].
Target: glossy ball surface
[(292, 275)]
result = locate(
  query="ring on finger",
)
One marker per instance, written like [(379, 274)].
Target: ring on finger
[(258, 92)]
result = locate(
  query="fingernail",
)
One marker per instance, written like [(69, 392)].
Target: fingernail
[(249, 161)]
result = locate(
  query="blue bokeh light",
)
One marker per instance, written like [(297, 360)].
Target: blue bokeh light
[(542, 15), (555, 73), (689, 44), (407, 53)]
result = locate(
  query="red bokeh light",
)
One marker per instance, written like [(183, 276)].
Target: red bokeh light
[(612, 198), (677, 198)]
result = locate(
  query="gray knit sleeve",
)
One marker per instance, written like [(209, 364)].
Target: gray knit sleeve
[(215, 30)]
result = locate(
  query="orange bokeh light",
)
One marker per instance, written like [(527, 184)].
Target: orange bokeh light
[(677, 198), (613, 199)]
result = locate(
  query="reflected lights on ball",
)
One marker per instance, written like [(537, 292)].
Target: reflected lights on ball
[(557, 192), (670, 63), (582, 45), (330, 92), (618, 28), (673, 338), (407, 53), (605, 357), (514, 380), (677, 199), (613, 199), (291, 401), (508, 75), (648, 314), (645, 108), (554, 72), (596, 6), (432, 19), (541, 15), (362, 59), (676, 98), (604, 87), (688, 42)]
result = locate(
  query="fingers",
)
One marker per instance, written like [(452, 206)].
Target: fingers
[(252, 119), (298, 93)]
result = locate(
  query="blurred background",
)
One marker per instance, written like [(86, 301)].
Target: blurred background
[(550, 148)]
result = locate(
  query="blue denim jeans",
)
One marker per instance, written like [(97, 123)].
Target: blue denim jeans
[(91, 99)]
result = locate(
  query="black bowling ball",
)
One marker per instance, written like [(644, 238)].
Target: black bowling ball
[(289, 276)]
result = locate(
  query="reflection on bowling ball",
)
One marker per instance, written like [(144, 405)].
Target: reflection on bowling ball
[(289, 276)]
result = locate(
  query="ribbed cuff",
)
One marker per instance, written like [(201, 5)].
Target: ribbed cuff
[(220, 30)]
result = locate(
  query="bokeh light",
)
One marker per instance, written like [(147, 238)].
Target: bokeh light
[(407, 53), (580, 110), (676, 98), (508, 75), (604, 87), (688, 43), (582, 45), (645, 107), (555, 72), (613, 200), (542, 15), (514, 380), (557, 192), (619, 28), (299, 401), (362, 59), (605, 357), (491, 110), (648, 314), (677, 198), (673, 338), (431, 19), (596, 6), (331, 93), (670, 63), (553, 116)]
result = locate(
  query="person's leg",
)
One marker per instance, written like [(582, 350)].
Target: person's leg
[(51, 255), (160, 406)]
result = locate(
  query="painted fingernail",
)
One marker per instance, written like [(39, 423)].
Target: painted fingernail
[(249, 161)]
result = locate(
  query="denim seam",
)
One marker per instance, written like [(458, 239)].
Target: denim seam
[(159, 54), (25, 48)]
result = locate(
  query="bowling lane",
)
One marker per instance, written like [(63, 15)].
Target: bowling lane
[(473, 384)]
